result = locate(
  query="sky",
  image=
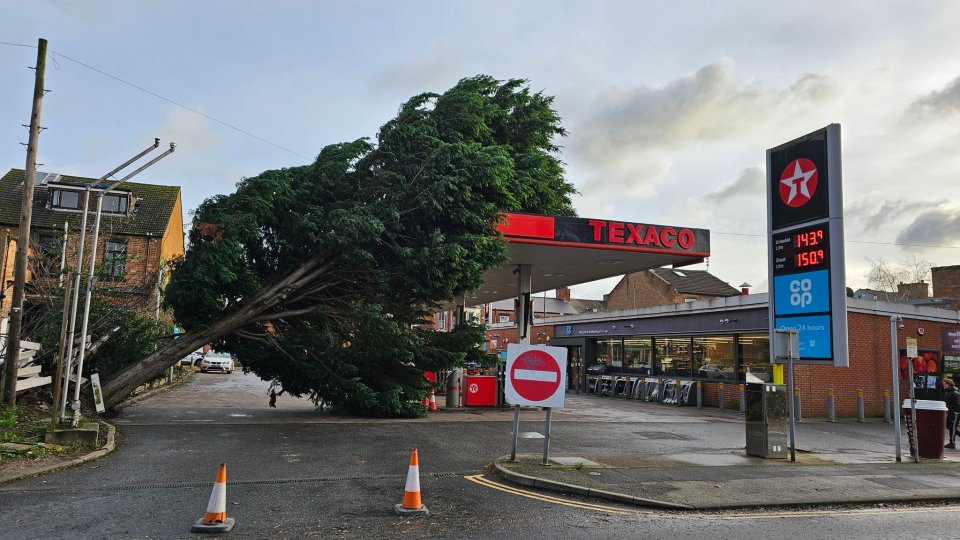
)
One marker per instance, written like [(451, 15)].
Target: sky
[(670, 106)]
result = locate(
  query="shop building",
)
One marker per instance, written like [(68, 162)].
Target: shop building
[(718, 341)]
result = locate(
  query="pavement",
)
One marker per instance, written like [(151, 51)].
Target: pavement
[(703, 482), (830, 471)]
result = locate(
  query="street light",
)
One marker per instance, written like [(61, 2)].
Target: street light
[(90, 275)]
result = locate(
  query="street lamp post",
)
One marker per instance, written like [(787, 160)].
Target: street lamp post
[(90, 277)]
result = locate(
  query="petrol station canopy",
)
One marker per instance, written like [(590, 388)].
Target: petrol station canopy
[(565, 251)]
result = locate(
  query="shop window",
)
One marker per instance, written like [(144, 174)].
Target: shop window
[(638, 355), (754, 353), (673, 355), (713, 358), (610, 352), (114, 265)]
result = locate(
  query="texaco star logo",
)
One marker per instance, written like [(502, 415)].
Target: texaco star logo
[(798, 182)]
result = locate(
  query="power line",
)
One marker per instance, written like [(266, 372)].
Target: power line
[(158, 96)]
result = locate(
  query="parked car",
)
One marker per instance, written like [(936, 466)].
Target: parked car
[(192, 359), (715, 371), (217, 361)]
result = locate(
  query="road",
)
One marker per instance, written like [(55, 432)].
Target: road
[(297, 473)]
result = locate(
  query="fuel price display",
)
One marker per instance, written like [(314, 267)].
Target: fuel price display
[(800, 250)]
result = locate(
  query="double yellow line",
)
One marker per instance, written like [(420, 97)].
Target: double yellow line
[(481, 480)]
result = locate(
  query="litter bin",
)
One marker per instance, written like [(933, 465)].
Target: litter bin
[(926, 434)]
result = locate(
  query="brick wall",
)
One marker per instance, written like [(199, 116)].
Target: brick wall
[(143, 259), (641, 289), (946, 283)]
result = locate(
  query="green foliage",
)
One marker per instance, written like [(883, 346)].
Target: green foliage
[(367, 240), (136, 337), (8, 424)]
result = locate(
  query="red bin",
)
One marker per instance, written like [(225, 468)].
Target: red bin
[(479, 391)]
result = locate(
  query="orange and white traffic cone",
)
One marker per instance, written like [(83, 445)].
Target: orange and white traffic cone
[(412, 505), (215, 519), (432, 404)]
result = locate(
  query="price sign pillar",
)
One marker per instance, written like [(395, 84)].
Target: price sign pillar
[(805, 232)]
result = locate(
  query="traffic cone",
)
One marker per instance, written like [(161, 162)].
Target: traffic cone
[(215, 519), (411, 504), (432, 405)]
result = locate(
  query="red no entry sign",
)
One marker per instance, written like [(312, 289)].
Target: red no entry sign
[(536, 375)]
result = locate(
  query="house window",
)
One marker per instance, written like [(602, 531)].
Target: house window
[(65, 198), (47, 259), (504, 318), (442, 320), (114, 259), (114, 203)]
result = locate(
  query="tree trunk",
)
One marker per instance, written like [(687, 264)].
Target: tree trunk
[(127, 380)]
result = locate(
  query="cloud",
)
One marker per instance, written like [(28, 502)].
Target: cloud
[(932, 228), (631, 136), (891, 210), (437, 72), (750, 183), (938, 103)]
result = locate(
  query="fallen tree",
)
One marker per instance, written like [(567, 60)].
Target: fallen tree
[(317, 274)]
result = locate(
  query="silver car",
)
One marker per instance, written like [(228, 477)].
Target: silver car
[(217, 361)]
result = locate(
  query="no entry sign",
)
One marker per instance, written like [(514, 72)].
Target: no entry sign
[(536, 376)]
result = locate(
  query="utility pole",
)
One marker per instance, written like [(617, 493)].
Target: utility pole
[(8, 390)]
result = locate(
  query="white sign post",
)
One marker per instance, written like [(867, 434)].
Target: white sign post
[(536, 376), (97, 392)]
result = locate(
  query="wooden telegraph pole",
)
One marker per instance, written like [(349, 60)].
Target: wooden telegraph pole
[(8, 388)]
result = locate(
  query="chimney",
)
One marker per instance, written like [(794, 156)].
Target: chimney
[(563, 294), (912, 291), (745, 288)]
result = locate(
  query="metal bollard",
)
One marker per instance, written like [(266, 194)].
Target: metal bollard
[(831, 412), (453, 388), (796, 402), (743, 399), (722, 397), (860, 417), (699, 395), (886, 407)]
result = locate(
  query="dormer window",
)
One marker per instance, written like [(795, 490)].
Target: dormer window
[(70, 199), (66, 199), (115, 203)]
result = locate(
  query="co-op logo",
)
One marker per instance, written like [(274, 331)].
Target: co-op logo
[(800, 294)]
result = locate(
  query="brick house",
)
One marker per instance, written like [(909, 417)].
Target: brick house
[(665, 286), (141, 230), (946, 284)]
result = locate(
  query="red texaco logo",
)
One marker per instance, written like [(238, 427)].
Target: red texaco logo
[(798, 182)]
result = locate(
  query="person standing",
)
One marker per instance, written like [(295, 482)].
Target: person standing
[(952, 398)]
